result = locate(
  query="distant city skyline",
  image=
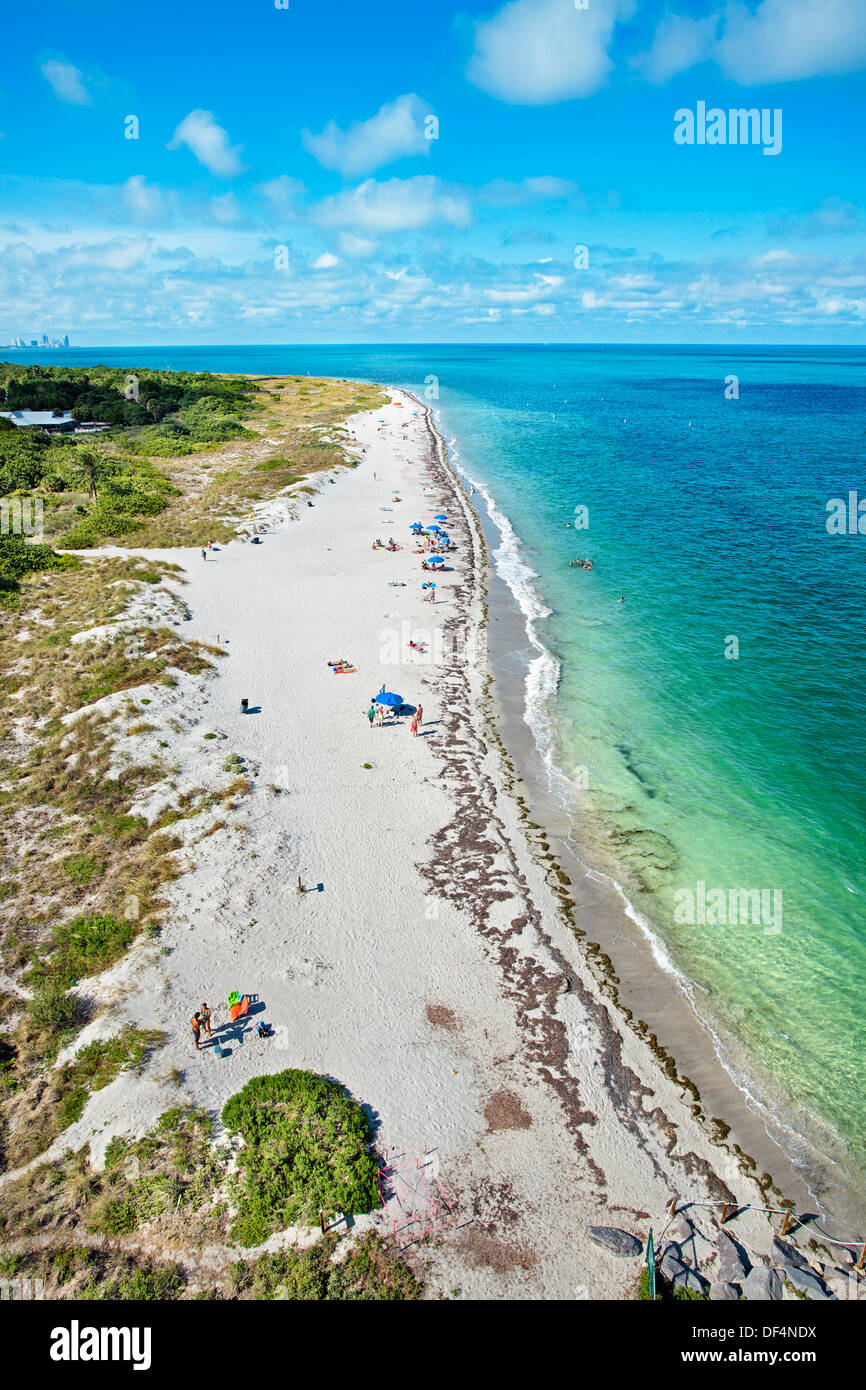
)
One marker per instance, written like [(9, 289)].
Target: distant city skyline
[(16, 341)]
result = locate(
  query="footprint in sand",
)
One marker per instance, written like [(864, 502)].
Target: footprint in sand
[(308, 972)]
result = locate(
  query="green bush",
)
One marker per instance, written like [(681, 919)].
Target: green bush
[(83, 947), (53, 1010), (306, 1150)]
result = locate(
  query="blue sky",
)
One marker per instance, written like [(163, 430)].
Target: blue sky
[(284, 186)]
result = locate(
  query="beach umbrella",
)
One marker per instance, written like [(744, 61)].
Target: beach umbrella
[(416, 526), (440, 517), (387, 697), (436, 560)]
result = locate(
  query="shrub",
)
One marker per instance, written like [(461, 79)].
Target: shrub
[(305, 1151), (52, 1010), (83, 947)]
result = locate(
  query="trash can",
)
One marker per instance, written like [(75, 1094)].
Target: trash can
[(245, 704)]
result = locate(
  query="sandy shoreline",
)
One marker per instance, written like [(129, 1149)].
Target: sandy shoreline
[(653, 993), (431, 974)]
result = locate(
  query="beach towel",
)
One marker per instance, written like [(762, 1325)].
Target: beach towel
[(238, 1009)]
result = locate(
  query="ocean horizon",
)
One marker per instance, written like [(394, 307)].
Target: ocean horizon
[(695, 693)]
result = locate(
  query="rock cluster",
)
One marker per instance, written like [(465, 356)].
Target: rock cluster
[(719, 1266), (715, 1264)]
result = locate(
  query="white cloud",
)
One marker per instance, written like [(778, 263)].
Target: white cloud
[(356, 247), (397, 205), (395, 132), (535, 52), (282, 193), (225, 209), (144, 201), (679, 43), (780, 41), (545, 188), (208, 142), (788, 39), (326, 261), (67, 82)]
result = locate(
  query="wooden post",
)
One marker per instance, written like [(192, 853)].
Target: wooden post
[(725, 1209), (672, 1208), (861, 1263), (785, 1222), (300, 888)]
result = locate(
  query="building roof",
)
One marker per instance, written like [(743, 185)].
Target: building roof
[(39, 418)]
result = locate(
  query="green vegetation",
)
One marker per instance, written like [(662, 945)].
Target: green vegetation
[(175, 1182), (85, 946), (37, 1118), (665, 1291), (370, 1271), (208, 462), (18, 558), (306, 1150), (97, 393)]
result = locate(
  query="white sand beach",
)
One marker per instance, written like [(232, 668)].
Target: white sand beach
[(425, 966)]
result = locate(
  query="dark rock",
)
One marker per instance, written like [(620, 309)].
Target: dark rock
[(671, 1263), (690, 1279), (612, 1239), (763, 1285), (788, 1255), (807, 1282), (724, 1293), (734, 1263)]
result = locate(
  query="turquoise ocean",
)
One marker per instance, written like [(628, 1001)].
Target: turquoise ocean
[(709, 730)]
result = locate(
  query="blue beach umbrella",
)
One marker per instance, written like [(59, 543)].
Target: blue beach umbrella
[(440, 517), (435, 560), (388, 697)]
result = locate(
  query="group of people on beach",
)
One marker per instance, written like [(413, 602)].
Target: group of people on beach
[(376, 716), (392, 545), (200, 1023)]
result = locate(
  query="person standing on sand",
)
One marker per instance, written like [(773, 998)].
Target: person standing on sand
[(204, 554), (419, 715), (195, 1025), (371, 714), (204, 1019), (413, 727)]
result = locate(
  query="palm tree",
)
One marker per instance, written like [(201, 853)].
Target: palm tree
[(89, 468)]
